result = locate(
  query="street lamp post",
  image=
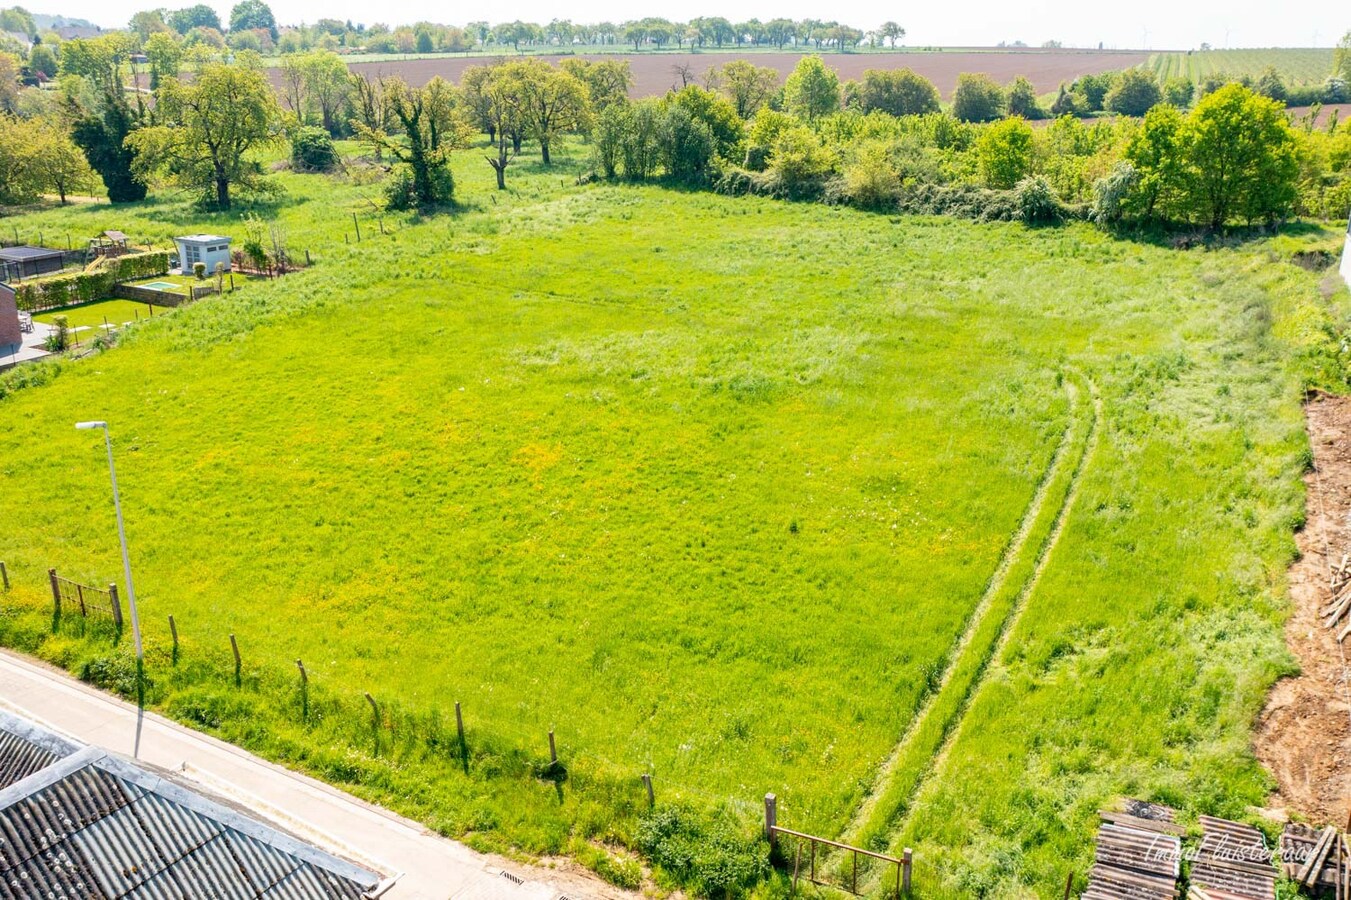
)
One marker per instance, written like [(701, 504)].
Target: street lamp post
[(121, 534)]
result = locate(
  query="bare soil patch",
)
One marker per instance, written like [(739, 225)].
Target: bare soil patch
[(1304, 734), (656, 73)]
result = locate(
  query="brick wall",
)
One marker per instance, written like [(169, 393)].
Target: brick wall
[(9, 318)]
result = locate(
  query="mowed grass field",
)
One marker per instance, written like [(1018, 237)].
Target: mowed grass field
[(1296, 66), (712, 487)]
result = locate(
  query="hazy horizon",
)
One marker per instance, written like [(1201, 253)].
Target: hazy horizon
[(1147, 25)]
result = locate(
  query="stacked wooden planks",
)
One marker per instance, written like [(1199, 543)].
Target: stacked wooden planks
[(1232, 863), (1339, 584), (1317, 859), (1138, 855)]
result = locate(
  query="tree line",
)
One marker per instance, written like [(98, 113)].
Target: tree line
[(885, 141), (252, 25)]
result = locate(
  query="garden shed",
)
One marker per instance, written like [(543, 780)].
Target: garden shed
[(203, 248), (18, 263)]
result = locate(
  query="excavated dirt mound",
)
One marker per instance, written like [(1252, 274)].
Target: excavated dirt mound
[(1304, 734)]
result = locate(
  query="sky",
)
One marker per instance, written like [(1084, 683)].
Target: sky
[(1141, 24)]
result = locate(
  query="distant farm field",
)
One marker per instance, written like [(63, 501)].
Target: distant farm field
[(1296, 66), (949, 534), (655, 74)]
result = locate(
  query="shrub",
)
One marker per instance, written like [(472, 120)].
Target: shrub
[(1111, 192), (1179, 91), (711, 856), (799, 162), (1037, 201), (1004, 151), (977, 98), (901, 93), (199, 271), (870, 178), (1022, 99), (59, 339), (312, 150), (1134, 93), (687, 146)]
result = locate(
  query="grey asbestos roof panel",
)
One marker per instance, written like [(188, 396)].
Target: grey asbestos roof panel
[(85, 825)]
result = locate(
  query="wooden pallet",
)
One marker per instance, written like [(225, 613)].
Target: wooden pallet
[(1233, 862)]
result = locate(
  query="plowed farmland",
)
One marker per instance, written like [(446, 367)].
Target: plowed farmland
[(656, 73)]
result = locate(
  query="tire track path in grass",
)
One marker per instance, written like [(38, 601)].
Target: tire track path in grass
[(997, 652), (927, 736)]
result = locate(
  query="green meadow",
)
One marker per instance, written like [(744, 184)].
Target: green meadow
[(946, 533)]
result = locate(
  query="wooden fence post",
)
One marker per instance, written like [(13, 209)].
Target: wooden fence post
[(375, 710), (173, 633), (907, 861), (771, 816), (116, 604), (459, 723), (358, 226), (56, 591), (647, 783), (304, 690), (1069, 884), (4, 574), (553, 749), (234, 646)]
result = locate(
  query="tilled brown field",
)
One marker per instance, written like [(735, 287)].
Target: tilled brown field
[(654, 74)]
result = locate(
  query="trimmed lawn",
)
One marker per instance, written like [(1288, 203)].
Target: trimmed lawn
[(93, 315)]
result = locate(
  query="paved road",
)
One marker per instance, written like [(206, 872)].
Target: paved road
[(427, 866)]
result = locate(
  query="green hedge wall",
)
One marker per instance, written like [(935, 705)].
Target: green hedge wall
[(82, 287)]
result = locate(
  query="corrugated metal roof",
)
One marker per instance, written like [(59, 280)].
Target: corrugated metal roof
[(89, 825), (25, 748)]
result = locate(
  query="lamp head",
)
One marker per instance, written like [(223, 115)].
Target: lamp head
[(86, 426)]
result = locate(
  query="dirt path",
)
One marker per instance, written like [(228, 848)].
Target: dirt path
[(1304, 734)]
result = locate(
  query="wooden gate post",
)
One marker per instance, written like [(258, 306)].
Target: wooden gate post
[(771, 817), (117, 606), (56, 591)]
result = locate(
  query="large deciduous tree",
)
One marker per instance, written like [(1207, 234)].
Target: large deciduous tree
[(1134, 93), (432, 122), (1005, 153), (1241, 156), (746, 85), (204, 131), (252, 15), (900, 92), (812, 90), (551, 102), (978, 98), (199, 16), (100, 127)]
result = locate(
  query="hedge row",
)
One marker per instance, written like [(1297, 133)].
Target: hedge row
[(95, 283)]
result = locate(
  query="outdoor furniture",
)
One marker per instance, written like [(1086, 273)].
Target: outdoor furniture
[(25, 322)]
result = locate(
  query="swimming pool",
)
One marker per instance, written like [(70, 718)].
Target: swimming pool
[(163, 286)]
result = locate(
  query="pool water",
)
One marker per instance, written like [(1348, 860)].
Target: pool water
[(162, 286)]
